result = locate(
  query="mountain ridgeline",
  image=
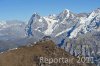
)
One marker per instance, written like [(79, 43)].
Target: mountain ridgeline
[(30, 56), (78, 34)]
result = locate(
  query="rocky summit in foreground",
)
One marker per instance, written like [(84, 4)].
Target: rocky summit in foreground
[(43, 53)]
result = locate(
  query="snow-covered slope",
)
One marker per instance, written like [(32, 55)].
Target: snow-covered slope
[(64, 26), (66, 23), (51, 25), (91, 23)]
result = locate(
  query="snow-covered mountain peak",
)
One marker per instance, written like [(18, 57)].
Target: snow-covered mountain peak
[(66, 23), (34, 18), (35, 15), (94, 15), (65, 13), (97, 10)]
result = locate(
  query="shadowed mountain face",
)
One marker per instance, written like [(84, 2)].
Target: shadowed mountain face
[(30, 56)]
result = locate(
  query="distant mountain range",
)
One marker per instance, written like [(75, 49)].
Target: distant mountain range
[(66, 22), (78, 34)]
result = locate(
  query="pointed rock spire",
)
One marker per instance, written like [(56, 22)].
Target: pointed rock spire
[(35, 15)]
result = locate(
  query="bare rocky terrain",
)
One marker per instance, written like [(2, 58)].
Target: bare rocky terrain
[(30, 55)]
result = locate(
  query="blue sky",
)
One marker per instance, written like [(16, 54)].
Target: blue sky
[(23, 9)]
